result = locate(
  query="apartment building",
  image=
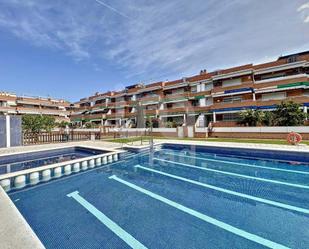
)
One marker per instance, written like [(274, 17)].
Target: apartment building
[(215, 97), (12, 104)]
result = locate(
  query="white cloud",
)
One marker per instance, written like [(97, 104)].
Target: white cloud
[(303, 7), (156, 39)]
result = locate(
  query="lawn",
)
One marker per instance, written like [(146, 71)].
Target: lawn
[(234, 140)]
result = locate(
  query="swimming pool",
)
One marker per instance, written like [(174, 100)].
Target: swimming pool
[(29, 160), (176, 197)]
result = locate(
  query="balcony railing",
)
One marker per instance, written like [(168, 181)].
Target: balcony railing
[(296, 99), (118, 104), (41, 102), (197, 94), (25, 110), (246, 84), (7, 109), (242, 103), (150, 112), (173, 110), (174, 97), (281, 81), (150, 99)]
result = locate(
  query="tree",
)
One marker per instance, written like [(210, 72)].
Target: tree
[(268, 119), (37, 123), (48, 123), (251, 118), (286, 114), (63, 124), (289, 114)]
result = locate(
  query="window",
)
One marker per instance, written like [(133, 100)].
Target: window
[(232, 100), (274, 96), (230, 117), (232, 82), (274, 75), (306, 93), (292, 59), (194, 89)]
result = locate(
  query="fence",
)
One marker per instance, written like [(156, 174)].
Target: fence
[(58, 137), (120, 133)]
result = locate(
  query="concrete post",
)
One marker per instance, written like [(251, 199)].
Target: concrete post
[(214, 117), (8, 131)]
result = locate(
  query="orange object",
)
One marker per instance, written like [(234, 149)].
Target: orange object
[(294, 138)]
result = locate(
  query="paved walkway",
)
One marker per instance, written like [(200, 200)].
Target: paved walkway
[(28, 148)]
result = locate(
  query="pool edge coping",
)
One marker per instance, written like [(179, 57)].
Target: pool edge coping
[(15, 232), (109, 151)]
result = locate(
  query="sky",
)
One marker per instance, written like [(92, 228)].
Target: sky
[(71, 49)]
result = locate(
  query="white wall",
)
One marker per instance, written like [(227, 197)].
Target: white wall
[(275, 129)]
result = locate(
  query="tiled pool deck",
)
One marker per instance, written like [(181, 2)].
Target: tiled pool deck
[(16, 233)]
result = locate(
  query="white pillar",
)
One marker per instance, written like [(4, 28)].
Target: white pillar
[(67, 169), (253, 95), (34, 178), (214, 117), (46, 175), (76, 167), (8, 131), (8, 168), (306, 111), (91, 163), (57, 172), (6, 184), (20, 181)]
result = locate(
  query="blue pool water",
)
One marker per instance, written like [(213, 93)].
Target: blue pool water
[(176, 197), (13, 163)]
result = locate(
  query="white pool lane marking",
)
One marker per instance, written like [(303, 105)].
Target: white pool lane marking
[(208, 219), (234, 174), (121, 233), (241, 164), (273, 203)]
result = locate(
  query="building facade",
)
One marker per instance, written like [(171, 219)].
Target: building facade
[(215, 97), (12, 104)]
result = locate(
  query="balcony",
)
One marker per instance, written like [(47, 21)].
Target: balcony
[(99, 105), (41, 102), (297, 99), (198, 109), (175, 97), (281, 81), (118, 104), (192, 95), (80, 110), (150, 112), (124, 114), (150, 99), (243, 103), (7, 109), (247, 84), (173, 110), (45, 111)]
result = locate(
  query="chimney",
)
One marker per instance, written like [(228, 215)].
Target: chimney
[(203, 71)]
